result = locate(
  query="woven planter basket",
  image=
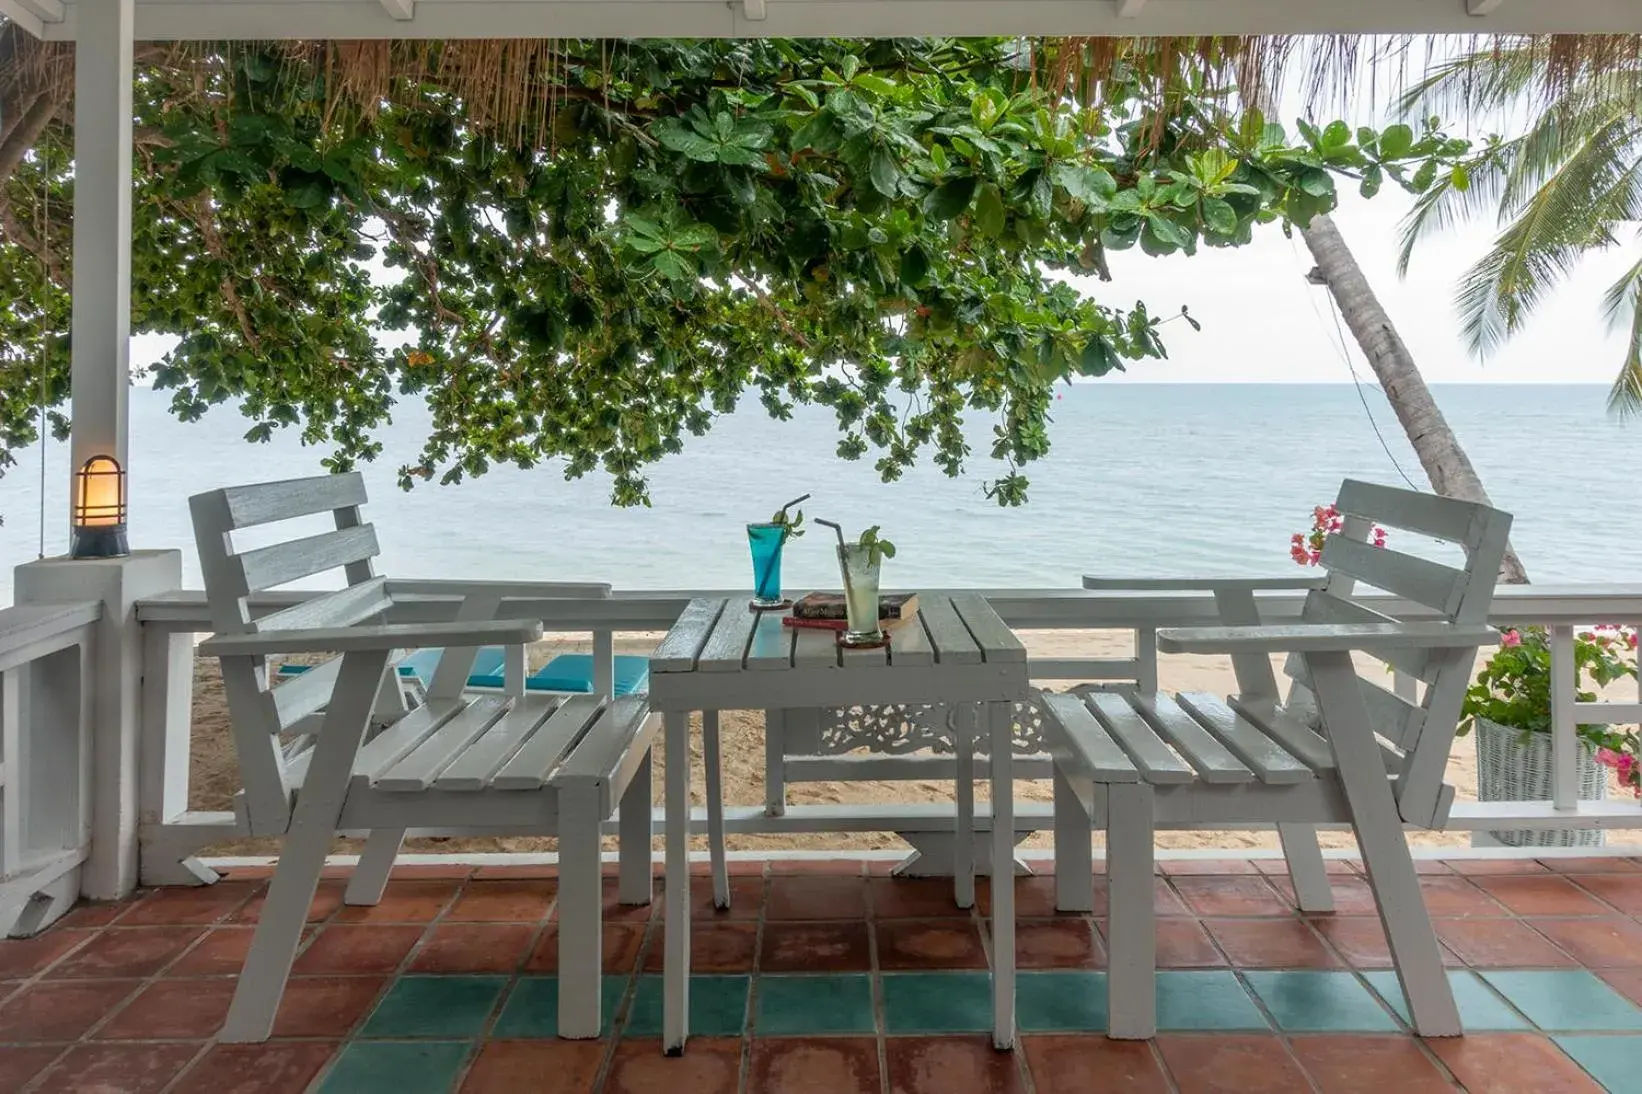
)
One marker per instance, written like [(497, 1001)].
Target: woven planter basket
[(1509, 770)]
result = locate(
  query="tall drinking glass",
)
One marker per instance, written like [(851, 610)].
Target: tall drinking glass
[(860, 569), (766, 541)]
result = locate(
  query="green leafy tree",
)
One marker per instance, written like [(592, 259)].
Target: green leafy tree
[(882, 228), (1568, 185)]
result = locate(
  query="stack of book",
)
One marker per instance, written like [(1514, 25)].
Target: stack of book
[(826, 611)]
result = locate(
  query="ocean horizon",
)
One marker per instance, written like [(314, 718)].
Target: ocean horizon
[(1143, 479)]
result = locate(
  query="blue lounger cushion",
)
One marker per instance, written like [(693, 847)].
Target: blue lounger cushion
[(574, 672)]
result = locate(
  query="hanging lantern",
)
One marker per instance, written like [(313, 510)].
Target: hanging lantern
[(99, 509)]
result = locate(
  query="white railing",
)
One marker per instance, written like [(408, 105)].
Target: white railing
[(171, 834), (45, 760)]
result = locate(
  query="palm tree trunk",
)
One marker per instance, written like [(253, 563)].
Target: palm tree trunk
[(1439, 451)]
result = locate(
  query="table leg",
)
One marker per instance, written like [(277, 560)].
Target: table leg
[(1000, 717), (676, 982), (710, 759), (963, 841)]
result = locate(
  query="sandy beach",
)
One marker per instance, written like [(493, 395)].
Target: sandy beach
[(214, 776)]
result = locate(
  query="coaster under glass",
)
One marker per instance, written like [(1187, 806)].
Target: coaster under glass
[(853, 641)]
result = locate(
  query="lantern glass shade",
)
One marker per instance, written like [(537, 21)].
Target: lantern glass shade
[(99, 509)]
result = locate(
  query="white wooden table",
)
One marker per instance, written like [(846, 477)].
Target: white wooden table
[(720, 655)]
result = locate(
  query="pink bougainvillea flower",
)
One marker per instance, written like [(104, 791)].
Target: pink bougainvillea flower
[(1510, 638), (1607, 757)]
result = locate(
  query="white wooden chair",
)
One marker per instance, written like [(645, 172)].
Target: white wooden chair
[(540, 763), (1128, 762)]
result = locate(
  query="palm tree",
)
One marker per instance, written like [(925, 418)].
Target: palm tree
[(1433, 441), (1253, 70), (1568, 186)]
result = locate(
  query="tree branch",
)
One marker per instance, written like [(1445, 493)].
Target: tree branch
[(33, 122), (18, 233)]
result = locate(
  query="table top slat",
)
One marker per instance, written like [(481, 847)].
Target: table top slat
[(726, 648), (991, 634), (909, 643), (771, 646), (814, 647), (679, 650), (948, 637)]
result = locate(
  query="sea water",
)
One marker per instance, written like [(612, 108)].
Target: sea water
[(1142, 480)]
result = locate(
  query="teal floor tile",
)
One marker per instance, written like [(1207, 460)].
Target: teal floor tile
[(1481, 1008), (396, 1067), (1060, 1002), (718, 1007), (937, 1002), (1309, 1001), (1615, 1062), (811, 1005), (1205, 1000), (1566, 999), (435, 1006), (532, 1008)]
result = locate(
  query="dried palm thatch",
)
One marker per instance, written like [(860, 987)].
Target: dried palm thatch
[(513, 86)]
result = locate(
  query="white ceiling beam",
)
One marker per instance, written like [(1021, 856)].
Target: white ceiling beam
[(1129, 9), (17, 13), (163, 20), (402, 11), (1482, 7), (32, 15)]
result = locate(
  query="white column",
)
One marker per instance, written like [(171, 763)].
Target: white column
[(102, 228)]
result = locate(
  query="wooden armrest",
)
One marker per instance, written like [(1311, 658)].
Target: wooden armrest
[(1199, 584), (1322, 637), (390, 636)]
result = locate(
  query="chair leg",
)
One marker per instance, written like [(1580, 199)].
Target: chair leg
[(1074, 853), (712, 760), (675, 1014), (1000, 729), (1307, 873), (1131, 984), (636, 884), (370, 876), (581, 930), (313, 825), (963, 723), (1386, 858)]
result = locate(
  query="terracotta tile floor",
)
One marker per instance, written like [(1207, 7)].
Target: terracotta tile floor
[(830, 977)]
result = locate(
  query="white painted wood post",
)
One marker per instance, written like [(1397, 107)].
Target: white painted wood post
[(775, 763), (1074, 850), (1131, 1010), (581, 944), (604, 663), (964, 717), (115, 669), (634, 867), (102, 230), (675, 1014), (163, 752), (1146, 659), (1000, 764), (712, 760), (1564, 739)]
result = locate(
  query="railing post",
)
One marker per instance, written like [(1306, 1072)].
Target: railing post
[(163, 754), (1146, 659), (604, 663), (115, 666), (1564, 741)]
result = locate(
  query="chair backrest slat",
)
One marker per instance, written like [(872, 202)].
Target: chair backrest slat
[(1420, 580), (1324, 608), (359, 603), (304, 693), (280, 563), (1461, 522), (265, 502)]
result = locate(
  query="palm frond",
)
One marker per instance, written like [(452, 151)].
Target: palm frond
[(1625, 397), (1445, 205)]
